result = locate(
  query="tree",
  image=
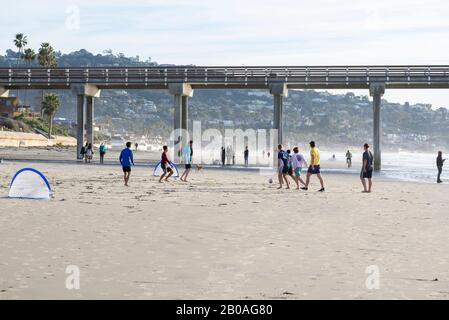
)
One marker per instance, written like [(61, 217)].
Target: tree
[(47, 59), (29, 56), (47, 56), (20, 41), (50, 106)]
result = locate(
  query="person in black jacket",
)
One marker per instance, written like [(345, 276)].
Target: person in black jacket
[(440, 163)]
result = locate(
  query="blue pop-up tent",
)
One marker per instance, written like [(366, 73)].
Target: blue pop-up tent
[(29, 183), (158, 170)]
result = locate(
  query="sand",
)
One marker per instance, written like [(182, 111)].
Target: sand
[(225, 235)]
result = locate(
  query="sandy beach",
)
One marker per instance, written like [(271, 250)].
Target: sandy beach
[(225, 235)]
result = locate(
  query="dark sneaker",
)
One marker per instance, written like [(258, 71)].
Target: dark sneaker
[(322, 190), (304, 188)]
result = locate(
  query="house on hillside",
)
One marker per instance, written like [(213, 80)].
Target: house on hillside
[(8, 106)]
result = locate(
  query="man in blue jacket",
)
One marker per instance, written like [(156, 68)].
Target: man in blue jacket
[(126, 160)]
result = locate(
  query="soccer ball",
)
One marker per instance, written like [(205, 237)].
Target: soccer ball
[(270, 181)]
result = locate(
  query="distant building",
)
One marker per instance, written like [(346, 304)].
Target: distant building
[(9, 107)]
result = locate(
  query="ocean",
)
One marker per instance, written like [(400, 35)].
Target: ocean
[(404, 166)]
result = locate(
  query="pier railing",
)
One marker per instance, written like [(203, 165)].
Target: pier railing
[(350, 76)]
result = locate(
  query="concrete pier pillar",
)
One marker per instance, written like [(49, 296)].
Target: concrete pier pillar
[(85, 113), (81, 122), (279, 91), (277, 119), (181, 93), (185, 113), (90, 120), (377, 91)]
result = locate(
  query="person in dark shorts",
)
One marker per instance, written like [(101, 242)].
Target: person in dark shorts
[(126, 160), (440, 163), (188, 155), (165, 165), (367, 169), (290, 165), (282, 167), (314, 168)]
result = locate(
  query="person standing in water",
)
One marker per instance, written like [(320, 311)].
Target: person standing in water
[(440, 163), (165, 165), (246, 156), (349, 158), (282, 167), (188, 155), (314, 167), (223, 156), (102, 151), (367, 169), (126, 160)]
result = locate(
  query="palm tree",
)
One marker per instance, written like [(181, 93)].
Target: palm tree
[(47, 59), (20, 41), (47, 56), (29, 56), (50, 106)]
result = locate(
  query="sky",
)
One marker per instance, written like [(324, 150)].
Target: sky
[(249, 32)]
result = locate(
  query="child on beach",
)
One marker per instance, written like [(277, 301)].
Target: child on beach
[(298, 162), (89, 153), (126, 159), (165, 165)]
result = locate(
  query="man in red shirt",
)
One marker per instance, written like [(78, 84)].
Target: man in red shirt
[(165, 165)]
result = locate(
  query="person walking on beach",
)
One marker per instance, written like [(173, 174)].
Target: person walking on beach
[(223, 156), (440, 163), (246, 156), (165, 165), (349, 158), (83, 152), (314, 167), (188, 155), (282, 167), (290, 165), (89, 153), (126, 160), (367, 169), (298, 162), (102, 152)]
